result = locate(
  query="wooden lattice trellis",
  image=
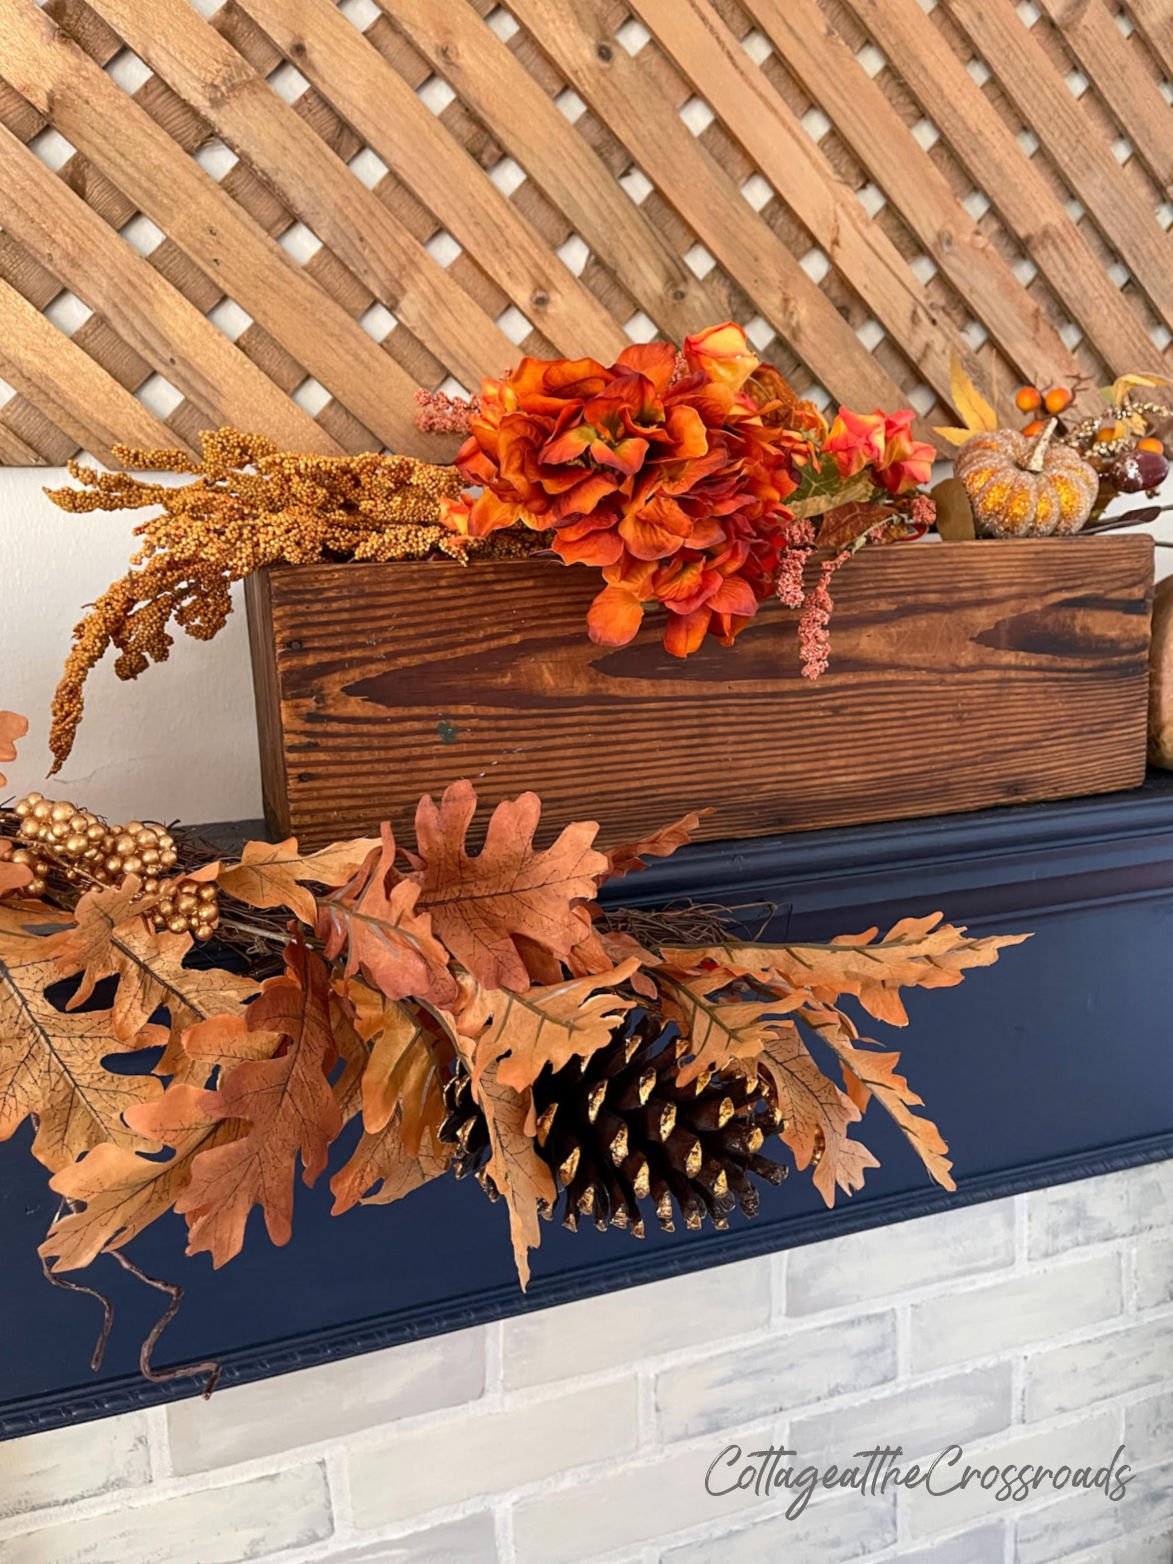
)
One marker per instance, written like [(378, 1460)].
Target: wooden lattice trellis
[(287, 214)]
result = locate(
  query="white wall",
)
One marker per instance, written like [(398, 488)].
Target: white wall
[(177, 743)]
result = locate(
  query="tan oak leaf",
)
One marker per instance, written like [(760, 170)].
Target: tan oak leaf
[(117, 1192), (916, 953), (152, 973), (522, 1034), (275, 874), (525, 1182), (51, 1063), (868, 1075), (630, 858), (381, 1169), (718, 1031), (816, 1115), (13, 876), (12, 727)]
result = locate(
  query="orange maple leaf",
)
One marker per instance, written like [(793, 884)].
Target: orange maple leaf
[(481, 904), (286, 1103)]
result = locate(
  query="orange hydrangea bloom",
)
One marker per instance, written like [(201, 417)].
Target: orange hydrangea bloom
[(673, 484), (668, 472)]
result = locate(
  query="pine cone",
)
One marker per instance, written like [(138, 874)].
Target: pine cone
[(622, 1130)]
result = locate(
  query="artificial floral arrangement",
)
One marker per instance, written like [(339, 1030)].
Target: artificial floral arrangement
[(1078, 452), (692, 479), (480, 1011)]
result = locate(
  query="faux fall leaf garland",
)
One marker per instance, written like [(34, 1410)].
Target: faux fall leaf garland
[(479, 1011)]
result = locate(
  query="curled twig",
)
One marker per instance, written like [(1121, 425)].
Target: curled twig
[(91, 1292), (175, 1291)]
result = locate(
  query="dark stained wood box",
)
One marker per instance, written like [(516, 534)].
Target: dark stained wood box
[(962, 675)]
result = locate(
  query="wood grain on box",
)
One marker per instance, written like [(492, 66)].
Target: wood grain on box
[(962, 675)]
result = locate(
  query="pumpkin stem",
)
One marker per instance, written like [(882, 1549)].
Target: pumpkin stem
[(1034, 462)]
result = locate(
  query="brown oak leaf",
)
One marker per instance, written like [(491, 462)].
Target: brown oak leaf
[(816, 1115), (275, 874), (51, 1065), (525, 1182), (12, 727), (916, 953), (288, 1107), (480, 903), (121, 1192), (632, 856), (381, 1169), (376, 921), (523, 1033)]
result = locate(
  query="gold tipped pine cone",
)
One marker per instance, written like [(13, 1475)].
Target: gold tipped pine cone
[(621, 1134)]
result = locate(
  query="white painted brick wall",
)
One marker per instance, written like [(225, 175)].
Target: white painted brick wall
[(1039, 1328)]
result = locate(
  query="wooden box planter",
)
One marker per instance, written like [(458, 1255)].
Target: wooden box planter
[(962, 675)]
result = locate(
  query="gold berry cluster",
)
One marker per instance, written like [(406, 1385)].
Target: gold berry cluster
[(248, 505), (188, 906), (55, 834)]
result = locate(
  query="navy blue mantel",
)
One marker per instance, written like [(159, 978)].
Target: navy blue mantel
[(1053, 1065)]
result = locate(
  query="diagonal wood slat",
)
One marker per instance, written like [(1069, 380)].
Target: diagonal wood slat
[(1127, 88), (885, 145), (1089, 166), (151, 316), (697, 187), (1155, 20), (208, 73), (288, 214), (143, 161), (691, 32), (45, 365), (988, 148), (498, 89), (369, 95)]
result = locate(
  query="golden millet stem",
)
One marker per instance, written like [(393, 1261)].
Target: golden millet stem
[(248, 505)]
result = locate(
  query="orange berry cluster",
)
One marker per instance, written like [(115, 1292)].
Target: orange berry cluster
[(1050, 404), (248, 505)]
